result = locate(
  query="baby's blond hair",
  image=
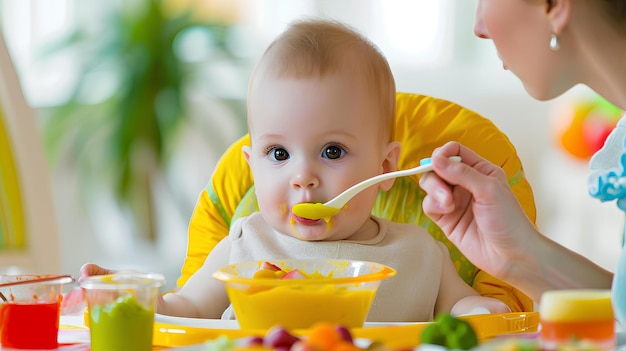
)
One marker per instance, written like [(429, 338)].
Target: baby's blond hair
[(315, 48)]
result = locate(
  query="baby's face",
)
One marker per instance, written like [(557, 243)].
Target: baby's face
[(312, 138)]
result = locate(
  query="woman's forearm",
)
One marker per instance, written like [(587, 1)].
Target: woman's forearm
[(551, 266)]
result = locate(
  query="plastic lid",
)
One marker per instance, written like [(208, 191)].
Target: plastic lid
[(123, 280)]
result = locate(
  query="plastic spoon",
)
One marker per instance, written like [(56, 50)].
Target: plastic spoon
[(31, 279), (331, 208)]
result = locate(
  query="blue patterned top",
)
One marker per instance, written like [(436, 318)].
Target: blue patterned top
[(607, 180)]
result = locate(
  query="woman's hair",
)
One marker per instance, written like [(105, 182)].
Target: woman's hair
[(615, 9), (314, 48)]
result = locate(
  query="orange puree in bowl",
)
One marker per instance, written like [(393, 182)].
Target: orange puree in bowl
[(300, 306), (310, 291)]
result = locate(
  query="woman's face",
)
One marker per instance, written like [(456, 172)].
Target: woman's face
[(521, 31)]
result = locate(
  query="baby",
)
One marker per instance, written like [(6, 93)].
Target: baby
[(320, 115)]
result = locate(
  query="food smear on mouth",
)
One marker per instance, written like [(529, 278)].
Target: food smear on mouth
[(292, 225)]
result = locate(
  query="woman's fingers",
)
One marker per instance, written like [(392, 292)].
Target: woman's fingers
[(481, 178), (439, 195), (439, 185), (91, 269)]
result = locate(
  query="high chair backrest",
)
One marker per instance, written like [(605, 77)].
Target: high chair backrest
[(423, 123), (28, 231)]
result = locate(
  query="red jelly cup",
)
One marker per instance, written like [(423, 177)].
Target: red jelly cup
[(30, 311)]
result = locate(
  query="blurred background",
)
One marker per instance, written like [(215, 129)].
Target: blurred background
[(135, 101)]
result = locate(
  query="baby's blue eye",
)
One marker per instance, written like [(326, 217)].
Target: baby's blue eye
[(333, 152), (279, 154)]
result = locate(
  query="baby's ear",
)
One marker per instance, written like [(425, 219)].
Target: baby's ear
[(390, 163), (246, 150)]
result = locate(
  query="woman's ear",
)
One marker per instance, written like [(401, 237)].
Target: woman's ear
[(390, 163), (559, 15)]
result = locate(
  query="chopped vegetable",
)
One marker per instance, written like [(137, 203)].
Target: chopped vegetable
[(450, 332)]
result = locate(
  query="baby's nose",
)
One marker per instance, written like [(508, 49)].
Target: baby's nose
[(304, 180)]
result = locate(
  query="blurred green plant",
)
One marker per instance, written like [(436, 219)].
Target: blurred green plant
[(125, 139)]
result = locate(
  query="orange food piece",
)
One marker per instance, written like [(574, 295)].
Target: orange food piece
[(324, 336)]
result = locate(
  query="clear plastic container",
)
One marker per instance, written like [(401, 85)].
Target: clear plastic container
[(30, 310), (121, 310)]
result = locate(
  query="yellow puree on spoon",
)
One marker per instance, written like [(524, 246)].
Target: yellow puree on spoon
[(315, 211), (332, 207), (326, 211)]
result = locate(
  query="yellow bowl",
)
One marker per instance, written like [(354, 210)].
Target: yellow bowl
[(334, 291)]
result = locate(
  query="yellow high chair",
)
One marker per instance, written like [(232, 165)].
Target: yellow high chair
[(423, 123)]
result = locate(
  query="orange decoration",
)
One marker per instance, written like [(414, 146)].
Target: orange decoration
[(583, 127)]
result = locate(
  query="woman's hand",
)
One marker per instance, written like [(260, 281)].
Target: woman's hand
[(91, 269), (472, 203)]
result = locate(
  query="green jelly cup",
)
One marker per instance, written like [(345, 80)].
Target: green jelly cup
[(121, 310)]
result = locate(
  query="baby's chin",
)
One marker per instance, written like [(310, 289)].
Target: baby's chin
[(309, 229), (317, 231)]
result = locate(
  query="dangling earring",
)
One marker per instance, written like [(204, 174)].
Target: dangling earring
[(554, 42)]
